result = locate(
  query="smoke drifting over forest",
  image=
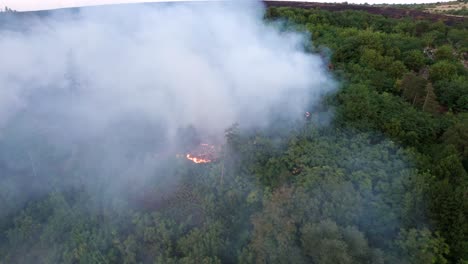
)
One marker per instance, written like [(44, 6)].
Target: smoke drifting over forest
[(207, 66), (117, 142), (108, 90)]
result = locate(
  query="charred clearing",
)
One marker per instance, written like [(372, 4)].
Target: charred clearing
[(391, 12)]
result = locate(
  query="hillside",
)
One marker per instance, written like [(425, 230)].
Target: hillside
[(391, 11), (198, 133), (451, 8)]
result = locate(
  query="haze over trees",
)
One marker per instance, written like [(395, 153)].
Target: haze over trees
[(377, 174)]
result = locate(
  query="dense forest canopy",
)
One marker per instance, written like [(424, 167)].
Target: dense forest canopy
[(375, 173)]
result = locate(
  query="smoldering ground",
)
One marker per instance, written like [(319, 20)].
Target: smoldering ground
[(106, 90)]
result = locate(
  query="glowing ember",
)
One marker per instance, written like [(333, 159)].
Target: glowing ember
[(197, 160), (204, 153)]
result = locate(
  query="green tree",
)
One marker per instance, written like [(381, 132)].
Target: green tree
[(453, 93), (442, 70), (420, 246), (326, 242), (444, 52), (457, 136), (414, 88), (430, 104), (414, 60)]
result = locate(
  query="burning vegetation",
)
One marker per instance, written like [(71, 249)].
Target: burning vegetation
[(203, 153), (197, 159)]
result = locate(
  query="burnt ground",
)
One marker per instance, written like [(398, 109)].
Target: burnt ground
[(392, 12), (21, 20)]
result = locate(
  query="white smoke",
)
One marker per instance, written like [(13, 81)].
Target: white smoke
[(207, 65)]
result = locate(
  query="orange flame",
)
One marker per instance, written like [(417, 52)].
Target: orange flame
[(197, 160)]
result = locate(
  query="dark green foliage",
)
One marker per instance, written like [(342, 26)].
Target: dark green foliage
[(420, 246), (444, 52), (431, 103), (413, 88), (442, 71), (326, 242), (414, 60), (366, 56), (385, 182), (457, 136), (453, 93), (458, 39)]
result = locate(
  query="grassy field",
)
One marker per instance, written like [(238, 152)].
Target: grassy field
[(452, 8)]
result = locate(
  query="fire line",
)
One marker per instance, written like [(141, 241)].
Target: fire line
[(197, 160)]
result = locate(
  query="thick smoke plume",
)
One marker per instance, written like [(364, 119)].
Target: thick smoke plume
[(104, 92), (206, 66)]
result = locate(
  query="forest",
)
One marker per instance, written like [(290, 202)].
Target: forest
[(377, 173)]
